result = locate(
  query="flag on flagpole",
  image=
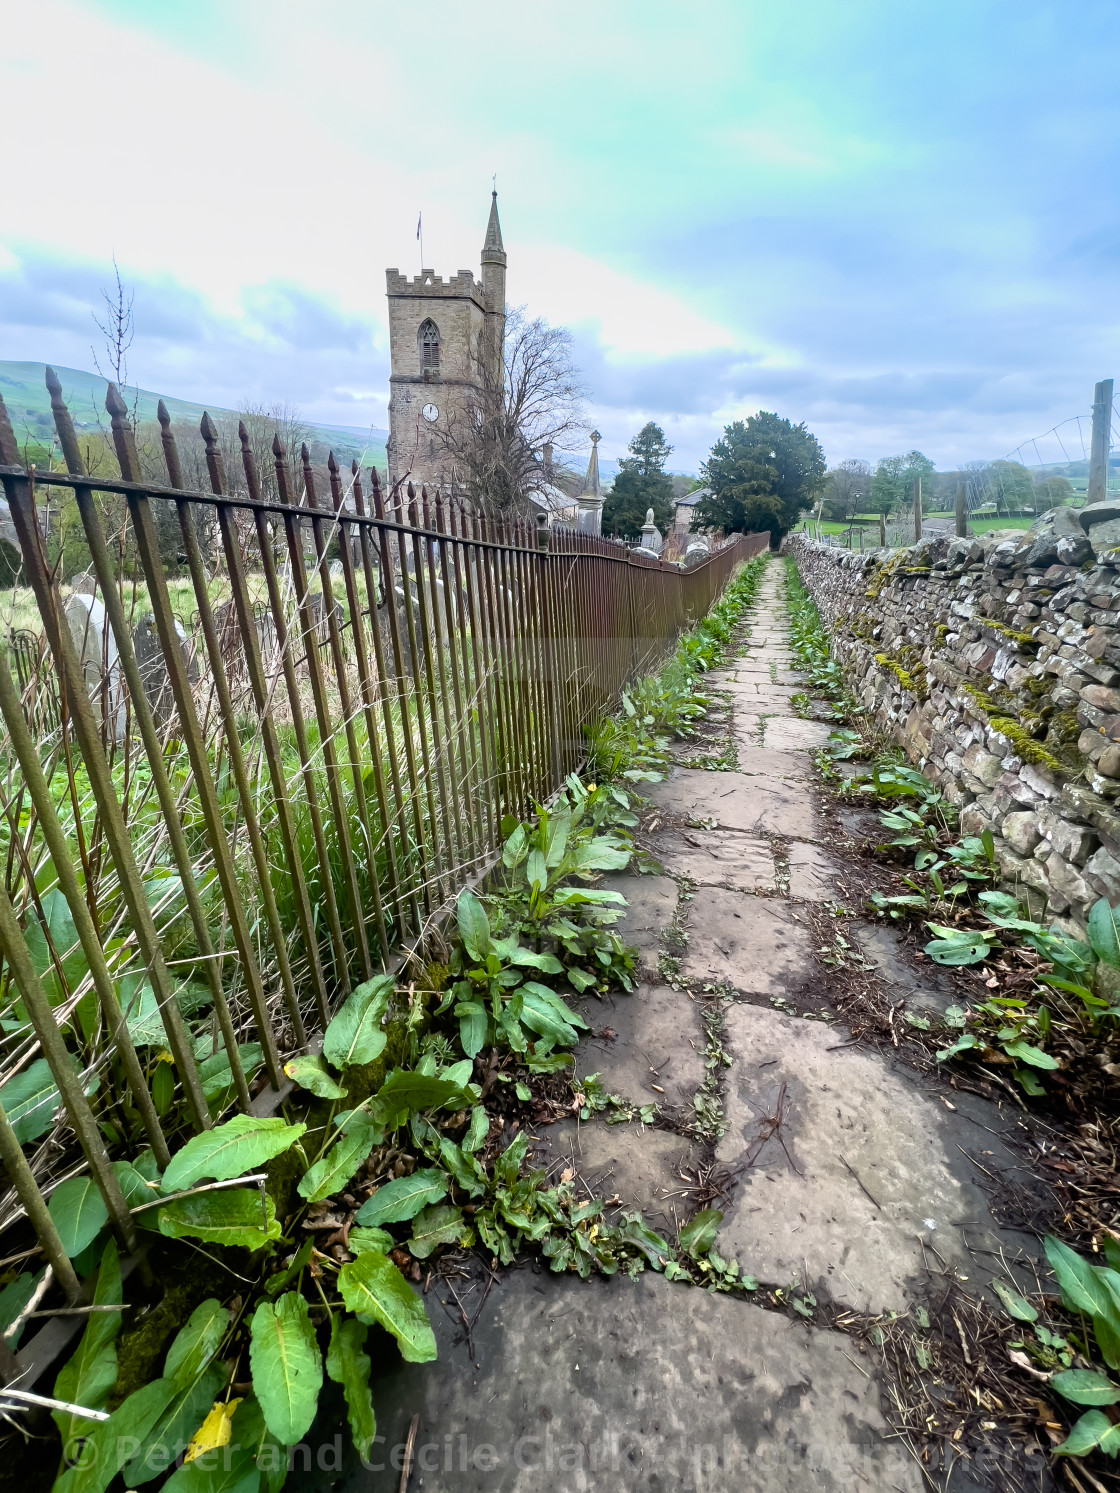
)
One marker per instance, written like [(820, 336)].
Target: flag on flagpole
[(419, 220)]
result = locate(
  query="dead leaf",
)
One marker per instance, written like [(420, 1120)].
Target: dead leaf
[(214, 1430), (1021, 1361)]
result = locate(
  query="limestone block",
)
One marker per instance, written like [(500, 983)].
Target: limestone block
[(1020, 830), (1105, 539), (1074, 551), (1094, 514), (1093, 745), (1035, 778), (1067, 883), (1107, 760), (1103, 698), (1072, 842), (983, 765), (1102, 873), (974, 821)]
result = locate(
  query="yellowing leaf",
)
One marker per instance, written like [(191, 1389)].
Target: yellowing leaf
[(214, 1430)]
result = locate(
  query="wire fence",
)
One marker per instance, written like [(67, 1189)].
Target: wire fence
[(251, 756)]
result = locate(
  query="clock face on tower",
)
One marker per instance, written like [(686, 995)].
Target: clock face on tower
[(430, 413)]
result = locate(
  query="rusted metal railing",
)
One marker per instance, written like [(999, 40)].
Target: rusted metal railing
[(252, 757)]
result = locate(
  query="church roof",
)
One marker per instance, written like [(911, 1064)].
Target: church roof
[(691, 499)]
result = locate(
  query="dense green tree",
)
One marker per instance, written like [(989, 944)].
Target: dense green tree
[(846, 490), (763, 473), (1051, 492), (642, 483), (892, 485)]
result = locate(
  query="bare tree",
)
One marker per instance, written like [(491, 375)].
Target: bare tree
[(498, 446), (118, 329), (846, 489)]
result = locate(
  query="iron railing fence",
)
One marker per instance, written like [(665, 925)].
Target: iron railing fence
[(229, 794)]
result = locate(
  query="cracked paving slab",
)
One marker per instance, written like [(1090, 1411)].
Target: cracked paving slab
[(856, 1188), (760, 945), (569, 1386), (737, 801)]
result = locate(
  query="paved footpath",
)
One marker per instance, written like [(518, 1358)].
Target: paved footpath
[(850, 1176)]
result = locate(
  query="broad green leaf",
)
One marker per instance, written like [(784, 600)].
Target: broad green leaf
[(215, 1073), (601, 854), (195, 1344), (1085, 1387), (299, 1261), (234, 1217), (30, 1100), (967, 950), (1080, 1288), (312, 1073), (1027, 1053), (172, 1433), (698, 1236), (402, 1199), (477, 1130), (472, 1026), (536, 870), (548, 964), (13, 1298), (355, 1036), (64, 938), (375, 1290), (79, 1213), (573, 896), (473, 924), (229, 1150), (361, 1240), (463, 1168), (545, 1012), (1104, 932), (515, 848), (112, 1442), (332, 1171), (88, 1378), (407, 1090), (348, 1365), (655, 1249), (581, 980), (435, 1226), (287, 1367), (964, 1043), (1016, 1306), (1087, 1434), (141, 1008), (135, 1187), (459, 1073)]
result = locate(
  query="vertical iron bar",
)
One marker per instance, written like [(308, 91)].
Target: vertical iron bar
[(34, 1205)]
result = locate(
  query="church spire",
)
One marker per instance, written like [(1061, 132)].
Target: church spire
[(493, 250), (591, 481)]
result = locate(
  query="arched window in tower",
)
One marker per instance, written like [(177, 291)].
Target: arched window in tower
[(428, 341)]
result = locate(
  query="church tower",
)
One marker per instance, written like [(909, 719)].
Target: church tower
[(445, 350)]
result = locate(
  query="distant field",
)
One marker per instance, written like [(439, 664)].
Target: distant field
[(29, 408)]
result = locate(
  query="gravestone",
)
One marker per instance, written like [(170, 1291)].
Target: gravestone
[(99, 661), (153, 667), (84, 583), (651, 535)]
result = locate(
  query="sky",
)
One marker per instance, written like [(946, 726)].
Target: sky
[(897, 222)]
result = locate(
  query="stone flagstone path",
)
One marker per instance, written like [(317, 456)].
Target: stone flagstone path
[(851, 1177)]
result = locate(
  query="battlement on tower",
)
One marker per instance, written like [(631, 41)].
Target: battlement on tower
[(428, 283)]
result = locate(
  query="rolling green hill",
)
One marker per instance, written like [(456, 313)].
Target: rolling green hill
[(29, 409)]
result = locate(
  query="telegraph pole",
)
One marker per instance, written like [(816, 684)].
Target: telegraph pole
[(918, 509), (960, 513), (1098, 451)]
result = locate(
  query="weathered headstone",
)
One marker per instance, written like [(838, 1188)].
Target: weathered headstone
[(100, 663), (652, 539), (84, 583), (153, 666)]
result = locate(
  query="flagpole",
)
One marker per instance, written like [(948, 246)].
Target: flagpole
[(420, 237)]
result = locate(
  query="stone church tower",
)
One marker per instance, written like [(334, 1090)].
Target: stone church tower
[(445, 348)]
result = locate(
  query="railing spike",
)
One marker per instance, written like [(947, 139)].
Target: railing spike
[(124, 438), (67, 437), (9, 451), (170, 448)]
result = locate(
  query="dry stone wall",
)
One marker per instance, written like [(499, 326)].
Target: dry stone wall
[(995, 662)]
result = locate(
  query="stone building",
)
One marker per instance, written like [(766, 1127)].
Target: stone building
[(445, 348)]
